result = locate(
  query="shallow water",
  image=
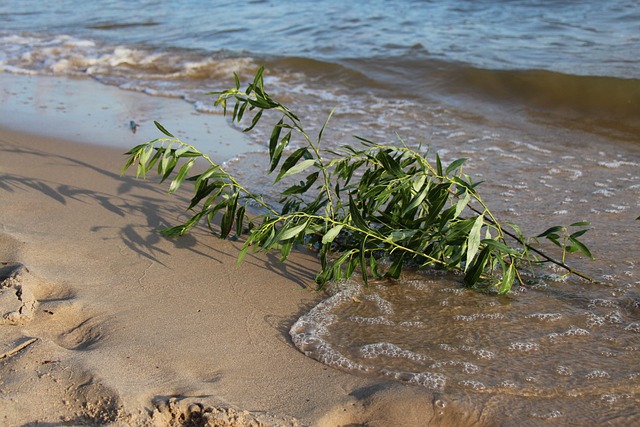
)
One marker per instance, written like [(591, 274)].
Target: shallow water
[(541, 96), (546, 352)]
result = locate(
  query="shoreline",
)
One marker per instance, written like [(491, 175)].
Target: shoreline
[(130, 328), (82, 110)]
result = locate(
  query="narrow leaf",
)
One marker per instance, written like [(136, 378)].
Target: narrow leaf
[(501, 247), (396, 268), (182, 173), (300, 167), (293, 231), (275, 137), (473, 242), (438, 165), (455, 165), (162, 129), (578, 234), (551, 230), (292, 160), (332, 234), (580, 224), (462, 203), (580, 247), (356, 217), (507, 279), (363, 263), (475, 271)]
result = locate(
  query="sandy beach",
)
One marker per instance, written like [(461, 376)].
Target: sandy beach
[(104, 321)]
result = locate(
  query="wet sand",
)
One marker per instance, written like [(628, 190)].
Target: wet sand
[(104, 321)]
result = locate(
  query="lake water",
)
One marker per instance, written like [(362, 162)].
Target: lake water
[(542, 96)]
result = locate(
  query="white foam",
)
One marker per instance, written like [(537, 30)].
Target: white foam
[(564, 371), (548, 415), (467, 367), (633, 327), (378, 320), (390, 350), (480, 353), (478, 316), (475, 385), (524, 347), (383, 305), (616, 164), (430, 380), (546, 317), (597, 373)]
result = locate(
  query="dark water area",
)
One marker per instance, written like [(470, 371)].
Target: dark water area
[(542, 96)]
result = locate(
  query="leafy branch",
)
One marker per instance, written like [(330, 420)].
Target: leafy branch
[(357, 206)]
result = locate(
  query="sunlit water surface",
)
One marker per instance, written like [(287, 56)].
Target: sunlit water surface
[(543, 353)]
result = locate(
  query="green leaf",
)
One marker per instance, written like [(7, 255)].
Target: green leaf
[(303, 187), (580, 224), (291, 161), (363, 262), (461, 204), (277, 152), (299, 167), (162, 129), (473, 242), (396, 268), (578, 234), (418, 183), (182, 173), (240, 220), (455, 165), (275, 137), (373, 266), (477, 267), (243, 252), (399, 235), (389, 163), (551, 230), (507, 279), (332, 234), (185, 150), (226, 223), (499, 246), (580, 247), (356, 217), (288, 233), (416, 201), (326, 122), (254, 121), (285, 250)]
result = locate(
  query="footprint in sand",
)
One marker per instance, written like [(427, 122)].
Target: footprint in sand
[(17, 301), (38, 366)]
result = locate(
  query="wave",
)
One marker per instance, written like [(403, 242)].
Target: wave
[(415, 75), (590, 95), (598, 97)]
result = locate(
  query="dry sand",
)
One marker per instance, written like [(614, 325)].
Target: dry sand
[(104, 321)]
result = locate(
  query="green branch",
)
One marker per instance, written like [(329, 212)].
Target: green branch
[(377, 201)]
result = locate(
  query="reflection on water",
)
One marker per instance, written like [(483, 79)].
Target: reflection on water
[(561, 351)]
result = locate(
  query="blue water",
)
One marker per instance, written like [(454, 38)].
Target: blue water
[(573, 57), (582, 38)]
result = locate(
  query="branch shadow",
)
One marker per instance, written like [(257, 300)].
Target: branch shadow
[(124, 203)]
